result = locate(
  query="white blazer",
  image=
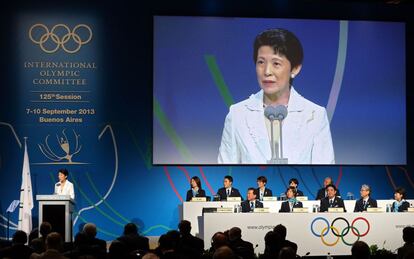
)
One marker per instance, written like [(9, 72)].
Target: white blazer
[(66, 190), (306, 134)]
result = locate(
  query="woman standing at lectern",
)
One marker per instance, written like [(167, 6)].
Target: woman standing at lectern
[(195, 190), (64, 187)]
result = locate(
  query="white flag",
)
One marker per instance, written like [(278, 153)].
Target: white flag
[(26, 196)]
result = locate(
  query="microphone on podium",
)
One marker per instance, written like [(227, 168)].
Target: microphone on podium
[(279, 113)]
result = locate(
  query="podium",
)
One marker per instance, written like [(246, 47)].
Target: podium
[(57, 210)]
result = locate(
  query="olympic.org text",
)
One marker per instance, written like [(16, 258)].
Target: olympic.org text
[(261, 227), (403, 226)]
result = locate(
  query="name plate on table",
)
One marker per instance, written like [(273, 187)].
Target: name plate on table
[(300, 210), (234, 199), (302, 198), (375, 210), (224, 210), (269, 198), (199, 199), (261, 210), (410, 209), (335, 210)]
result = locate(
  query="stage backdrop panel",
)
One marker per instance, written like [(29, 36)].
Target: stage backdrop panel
[(112, 171)]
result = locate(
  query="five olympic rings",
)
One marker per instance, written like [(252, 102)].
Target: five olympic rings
[(337, 233), (60, 41)]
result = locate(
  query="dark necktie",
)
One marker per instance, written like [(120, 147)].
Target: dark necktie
[(364, 204), (251, 206), (228, 192), (330, 203)]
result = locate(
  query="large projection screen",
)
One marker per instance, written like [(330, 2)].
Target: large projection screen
[(353, 72)]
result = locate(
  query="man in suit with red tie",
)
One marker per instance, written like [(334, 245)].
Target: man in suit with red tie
[(331, 201), (251, 203), (228, 190)]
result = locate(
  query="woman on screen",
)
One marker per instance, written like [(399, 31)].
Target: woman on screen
[(195, 190), (400, 204), (278, 57), (64, 187)]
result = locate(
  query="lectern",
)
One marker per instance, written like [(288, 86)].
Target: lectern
[(57, 210)]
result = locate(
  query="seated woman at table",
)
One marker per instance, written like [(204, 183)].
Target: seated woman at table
[(365, 201), (287, 206), (400, 204), (331, 201), (196, 190)]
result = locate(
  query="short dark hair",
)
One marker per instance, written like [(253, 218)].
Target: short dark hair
[(228, 177), (262, 179), (64, 171), (294, 190), (252, 189), (283, 42), (234, 233), (287, 252), (54, 241), (45, 228), (19, 237), (281, 230), (184, 226), (408, 234), (224, 252), (331, 185), (360, 250), (294, 180), (401, 191), (219, 239), (130, 228), (197, 180)]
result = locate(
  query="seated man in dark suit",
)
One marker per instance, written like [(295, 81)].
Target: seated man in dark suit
[(86, 242), (294, 183), (282, 231), (365, 201), (39, 244), (18, 249), (240, 247), (54, 244), (132, 240), (331, 201), (228, 190), (191, 246), (251, 202), (262, 191), (360, 250), (322, 192), (408, 237), (287, 206)]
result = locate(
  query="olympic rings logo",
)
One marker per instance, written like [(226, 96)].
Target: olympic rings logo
[(336, 232), (50, 40)]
